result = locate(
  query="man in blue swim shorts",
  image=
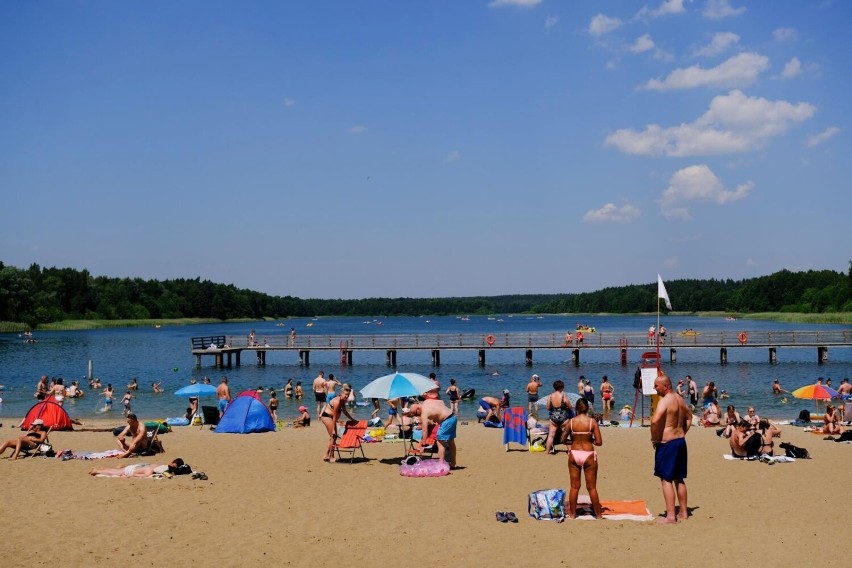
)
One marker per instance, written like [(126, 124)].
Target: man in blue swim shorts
[(224, 394), (669, 426), (434, 411)]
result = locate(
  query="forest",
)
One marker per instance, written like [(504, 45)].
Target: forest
[(37, 295)]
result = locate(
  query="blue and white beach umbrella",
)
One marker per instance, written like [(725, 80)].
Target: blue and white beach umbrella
[(397, 385)]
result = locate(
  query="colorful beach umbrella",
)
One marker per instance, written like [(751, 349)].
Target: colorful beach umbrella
[(815, 392), (397, 385)]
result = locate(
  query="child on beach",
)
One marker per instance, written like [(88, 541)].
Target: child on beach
[(273, 405), (304, 418)]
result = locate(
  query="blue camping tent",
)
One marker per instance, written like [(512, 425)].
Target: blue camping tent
[(246, 414)]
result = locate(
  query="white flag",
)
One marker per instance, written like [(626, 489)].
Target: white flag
[(661, 292)]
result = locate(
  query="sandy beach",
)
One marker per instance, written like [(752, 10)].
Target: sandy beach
[(270, 498)]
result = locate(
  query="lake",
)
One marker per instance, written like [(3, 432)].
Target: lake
[(164, 355)]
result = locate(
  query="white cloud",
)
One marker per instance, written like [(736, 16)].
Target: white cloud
[(521, 3), (612, 213), (785, 34), (602, 24), (288, 102), (453, 156), (550, 21), (357, 129), (792, 69), (719, 9), (740, 70), (817, 139), (667, 8), (697, 184), (643, 43), (734, 124), (718, 45)]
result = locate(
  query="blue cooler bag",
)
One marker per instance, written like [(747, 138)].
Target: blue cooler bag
[(547, 505)]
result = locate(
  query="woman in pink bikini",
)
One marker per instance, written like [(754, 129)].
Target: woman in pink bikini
[(585, 435)]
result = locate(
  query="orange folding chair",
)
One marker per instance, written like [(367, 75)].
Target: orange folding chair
[(425, 446), (352, 439)]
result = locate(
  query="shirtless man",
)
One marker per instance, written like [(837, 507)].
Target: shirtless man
[(669, 426), (845, 392), (491, 406), (319, 392), (331, 384), (224, 394), (532, 392), (34, 436), (135, 430), (433, 411)]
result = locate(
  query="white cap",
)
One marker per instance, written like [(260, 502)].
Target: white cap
[(535, 376), (38, 422)]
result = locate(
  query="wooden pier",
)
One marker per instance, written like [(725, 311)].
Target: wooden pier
[(227, 350)]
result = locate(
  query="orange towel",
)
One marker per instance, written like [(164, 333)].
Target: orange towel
[(624, 508)]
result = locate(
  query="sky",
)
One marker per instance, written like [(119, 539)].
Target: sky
[(361, 149)]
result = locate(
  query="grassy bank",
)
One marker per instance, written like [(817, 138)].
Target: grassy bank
[(71, 325), (837, 317)]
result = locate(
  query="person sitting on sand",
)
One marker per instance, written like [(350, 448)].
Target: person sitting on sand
[(752, 418), (831, 423), (711, 414), (585, 435), (137, 434), (732, 418), (304, 418), (767, 432), (139, 469), (29, 441), (626, 413)]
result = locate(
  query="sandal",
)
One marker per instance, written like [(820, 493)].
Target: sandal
[(511, 517), (501, 516)]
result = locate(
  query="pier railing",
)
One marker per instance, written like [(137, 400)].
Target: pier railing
[(552, 340)]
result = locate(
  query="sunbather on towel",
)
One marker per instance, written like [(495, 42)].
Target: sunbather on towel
[(138, 469)]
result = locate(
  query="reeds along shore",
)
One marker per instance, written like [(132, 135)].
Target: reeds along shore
[(269, 498)]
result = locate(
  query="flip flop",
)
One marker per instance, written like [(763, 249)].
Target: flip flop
[(511, 517), (501, 516)]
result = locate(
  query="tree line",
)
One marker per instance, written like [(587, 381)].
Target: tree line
[(39, 295)]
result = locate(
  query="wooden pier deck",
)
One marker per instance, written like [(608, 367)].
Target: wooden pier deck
[(227, 350)]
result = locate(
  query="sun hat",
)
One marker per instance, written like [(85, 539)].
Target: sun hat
[(38, 422), (303, 409), (627, 406), (505, 391)]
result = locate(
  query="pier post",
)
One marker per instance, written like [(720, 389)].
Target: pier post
[(822, 354), (390, 357), (672, 355), (218, 360), (436, 358), (261, 358), (349, 357), (623, 356), (575, 357), (304, 358), (229, 359), (482, 357), (528, 358), (239, 356), (773, 355), (198, 361), (723, 355)]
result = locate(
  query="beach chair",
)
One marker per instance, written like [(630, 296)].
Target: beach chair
[(515, 428), (210, 416), (423, 447), (351, 440), (43, 449)]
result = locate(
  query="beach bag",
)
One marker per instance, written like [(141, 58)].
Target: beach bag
[(804, 416), (547, 505), (792, 451)]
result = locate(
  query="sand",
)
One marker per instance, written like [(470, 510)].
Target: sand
[(270, 498)]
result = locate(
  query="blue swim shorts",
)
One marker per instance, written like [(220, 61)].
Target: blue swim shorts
[(484, 405), (447, 429), (223, 404), (670, 460)]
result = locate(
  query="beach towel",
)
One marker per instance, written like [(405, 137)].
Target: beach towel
[(614, 510), (65, 455), (515, 426)]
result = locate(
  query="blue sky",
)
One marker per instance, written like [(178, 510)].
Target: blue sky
[(348, 149)]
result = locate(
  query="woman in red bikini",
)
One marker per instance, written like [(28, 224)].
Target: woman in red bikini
[(585, 435)]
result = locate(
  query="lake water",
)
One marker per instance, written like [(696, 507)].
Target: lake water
[(164, 355)]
